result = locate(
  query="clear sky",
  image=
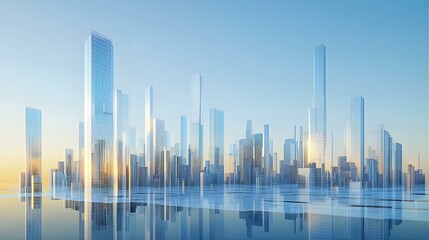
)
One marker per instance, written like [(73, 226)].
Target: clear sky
[(255, 57)]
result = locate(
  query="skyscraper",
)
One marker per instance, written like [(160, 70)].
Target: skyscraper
[(257, 163), (33, 136), (216, 143), (380, 149), (183, 140), (121, 136), (99, 176), (289, 152), (69, 158), (267, 156), (159, 147), (81, 175), (149, 134), (300, 147), (196, 129), (317, 113), (355, 146), (396, 165)]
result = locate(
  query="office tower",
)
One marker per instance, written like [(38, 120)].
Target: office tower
[(134, 171), (300, 147), (380, 149), (289, 148), (271, 161), (317, 113), (159, 147), (342, 163), (216, 143), (121, 134), (410, 178), (81, 174), (257, 158), (132, 145), (183, 140), (355, 136), (99, 177), (372, 172), (196, 128), (246, 160), (165, 168), (396, 165), (267, 156), (33, 183), (249, 129), (33, 136), (69, 158), (275, 165), (149, 134)]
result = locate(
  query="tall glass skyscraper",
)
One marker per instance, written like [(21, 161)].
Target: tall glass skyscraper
[(33, 135), (149, 134), (380, 149), (289, 153), (268, 168), (196, 129), (69, 159), (355, 146), (183, 140), (99, 176), (216, 143), (33, 174), (81, 176), (121, 136), (159, 147), (396, 165), (317, 113)]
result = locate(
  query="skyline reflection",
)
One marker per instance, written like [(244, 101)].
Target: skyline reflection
[(241, 212)]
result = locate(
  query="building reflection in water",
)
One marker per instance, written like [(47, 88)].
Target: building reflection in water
[(228, 213), (33, 217)]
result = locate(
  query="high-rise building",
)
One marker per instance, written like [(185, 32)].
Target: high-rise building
[(300, 153), (121, 136), (81, 174), (317, 113), (159, 147), (372, 172), (258, 147), (380, 149), (216, 143), (69, 158), (99, 176), (149, 135), (196, 128), (249, 129), (33, 136), (267, 156), (355, 136), (183, 140), (289, 153), (396, 165)]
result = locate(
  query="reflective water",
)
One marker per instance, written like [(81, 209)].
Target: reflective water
[(227, 212)]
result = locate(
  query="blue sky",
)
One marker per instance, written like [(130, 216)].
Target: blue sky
[(255, 57)]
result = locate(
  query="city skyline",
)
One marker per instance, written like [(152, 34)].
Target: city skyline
[(171, 123), (308, 160)]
